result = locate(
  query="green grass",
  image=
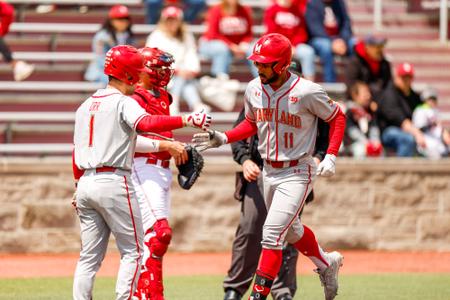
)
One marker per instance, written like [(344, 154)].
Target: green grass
[(364, 287)]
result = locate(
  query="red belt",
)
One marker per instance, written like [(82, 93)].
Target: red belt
[(282, 164), (162, 163), (105, 169)]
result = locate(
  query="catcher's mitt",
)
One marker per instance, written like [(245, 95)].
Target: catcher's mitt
[(190, 170)]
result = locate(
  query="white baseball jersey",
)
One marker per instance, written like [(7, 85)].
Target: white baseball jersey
[(105, 130), (287, 118)]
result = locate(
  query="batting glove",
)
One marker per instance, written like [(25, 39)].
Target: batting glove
[(199, 119), (210, 139), (327, 166)]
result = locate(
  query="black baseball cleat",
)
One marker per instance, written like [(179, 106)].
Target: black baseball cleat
[(231, 294), (285, 297)]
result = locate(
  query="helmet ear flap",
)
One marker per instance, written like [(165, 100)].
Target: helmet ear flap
[(280, 66)]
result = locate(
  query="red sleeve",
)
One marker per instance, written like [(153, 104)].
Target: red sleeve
[(247, 12), (6, 16), (77, 173), (302, 5), (336, 133), (269, 19), (159, 123), (242, 131), (212, 21)]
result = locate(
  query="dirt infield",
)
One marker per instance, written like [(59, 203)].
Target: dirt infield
[(356, 262)]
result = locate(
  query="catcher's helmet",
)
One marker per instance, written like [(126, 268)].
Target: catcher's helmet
[(159, 65), (273, 47), (124, 63)]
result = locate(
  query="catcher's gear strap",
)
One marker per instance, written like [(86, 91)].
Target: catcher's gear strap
[(190, 170), (261, 287)]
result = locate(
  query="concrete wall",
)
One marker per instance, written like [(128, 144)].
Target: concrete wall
[(387, 204)]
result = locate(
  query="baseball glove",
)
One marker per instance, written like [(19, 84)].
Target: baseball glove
[(190, 170)]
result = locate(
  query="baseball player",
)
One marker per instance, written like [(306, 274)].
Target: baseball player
[(151, 173), (104, 144), (283, 109), (247, 241)]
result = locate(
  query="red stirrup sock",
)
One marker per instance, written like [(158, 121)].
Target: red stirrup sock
[(308, 246), (268, 268)]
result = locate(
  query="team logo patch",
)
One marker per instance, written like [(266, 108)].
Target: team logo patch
[(259, 288), (258, 48), (257, 93), (163, 104), (293, 99)]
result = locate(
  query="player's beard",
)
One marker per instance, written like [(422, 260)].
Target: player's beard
[(270, 80)]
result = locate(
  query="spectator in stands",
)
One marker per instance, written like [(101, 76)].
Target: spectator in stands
[(330, 32), (192, 8), (115, 31), (426, 118), (171, 36), (369, 65), (287, 17), (395, 109), (21, 70), (362, 134), (228, 35)]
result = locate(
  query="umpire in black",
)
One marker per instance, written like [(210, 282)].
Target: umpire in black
[(247, 242)]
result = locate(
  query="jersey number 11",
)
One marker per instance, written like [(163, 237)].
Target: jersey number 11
[(288, 140)]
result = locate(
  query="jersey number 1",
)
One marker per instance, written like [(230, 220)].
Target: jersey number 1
[(91, 130), (288, 140)]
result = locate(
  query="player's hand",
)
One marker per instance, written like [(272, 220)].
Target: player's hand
[(327, 166), (210, 139), (199, 119), (178, 152), (251, 170), (74, 201)]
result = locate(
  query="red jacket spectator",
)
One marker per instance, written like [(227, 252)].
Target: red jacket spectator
[(232, 29), (288, 21), (6, 17)]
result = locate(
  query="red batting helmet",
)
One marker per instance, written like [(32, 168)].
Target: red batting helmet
[(273, 47), (124, 63), (159, 65)]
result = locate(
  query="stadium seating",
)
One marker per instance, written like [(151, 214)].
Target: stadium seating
[(59, 44)]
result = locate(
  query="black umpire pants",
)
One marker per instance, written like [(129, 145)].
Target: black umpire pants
[(246, 248)]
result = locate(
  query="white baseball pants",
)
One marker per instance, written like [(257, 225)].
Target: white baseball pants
[(107, 204)]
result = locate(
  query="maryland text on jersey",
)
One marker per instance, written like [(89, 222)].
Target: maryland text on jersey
[(283, 117)]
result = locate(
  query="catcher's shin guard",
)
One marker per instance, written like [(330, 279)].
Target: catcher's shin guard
[(154, 269), (151, 284), (261, 287), (143, 286)]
